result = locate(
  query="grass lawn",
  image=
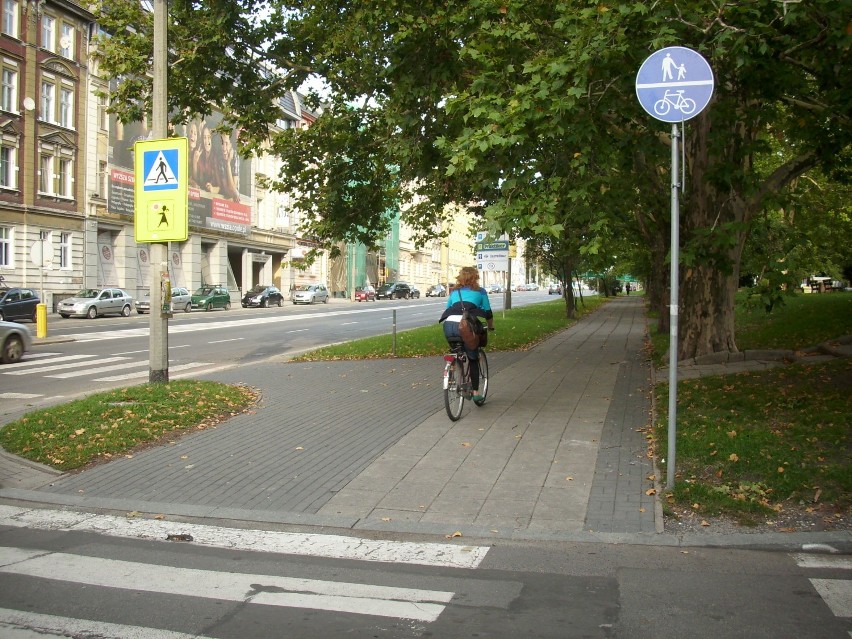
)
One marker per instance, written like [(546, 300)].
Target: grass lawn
[(756, 443)]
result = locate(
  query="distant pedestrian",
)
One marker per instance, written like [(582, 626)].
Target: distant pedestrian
[(627, 287)]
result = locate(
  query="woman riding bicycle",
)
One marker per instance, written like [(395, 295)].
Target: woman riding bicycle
[(467, 294)]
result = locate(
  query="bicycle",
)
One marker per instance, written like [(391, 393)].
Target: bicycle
[(457, 386), (680, 103)]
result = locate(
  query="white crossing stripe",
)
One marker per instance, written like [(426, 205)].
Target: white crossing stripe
[(824, 561), (269, 590), (16, 623), (28, 364), (305, 544), (19, 395), (66, 365), (145, 373), (837, 593), (101, 369)]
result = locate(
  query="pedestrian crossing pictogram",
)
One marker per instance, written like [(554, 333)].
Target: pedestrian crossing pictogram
[(161, 172)]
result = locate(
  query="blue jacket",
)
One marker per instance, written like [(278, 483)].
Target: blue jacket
[(474, 300)]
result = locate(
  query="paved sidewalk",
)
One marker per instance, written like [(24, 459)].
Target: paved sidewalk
[(557, 452)]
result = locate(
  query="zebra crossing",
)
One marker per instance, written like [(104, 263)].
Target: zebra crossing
[(247, 589), (116, 368), (833, 588)]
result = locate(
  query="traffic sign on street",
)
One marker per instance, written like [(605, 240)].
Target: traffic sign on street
[(161, 189), (674, 84)]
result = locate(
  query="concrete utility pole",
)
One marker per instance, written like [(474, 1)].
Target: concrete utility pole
[(158, 344)]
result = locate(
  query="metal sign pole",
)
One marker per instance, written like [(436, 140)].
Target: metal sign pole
[(673, 313)]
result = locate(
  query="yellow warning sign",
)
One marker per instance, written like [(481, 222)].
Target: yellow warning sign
[(161, 189)]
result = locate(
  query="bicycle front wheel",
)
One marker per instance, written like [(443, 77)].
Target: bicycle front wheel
[(483, 378), (453, 395)]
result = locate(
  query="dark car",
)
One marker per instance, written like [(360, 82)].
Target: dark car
[(365, 294), (263, 296), (415, 293), (18, 304), (394, 290)]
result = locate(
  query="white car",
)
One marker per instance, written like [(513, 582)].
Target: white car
[(181, 301), (91, 302), (15, 340), (310, 293)]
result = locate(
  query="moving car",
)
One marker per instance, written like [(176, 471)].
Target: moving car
[(263, 296), (415, 293), (365, 294), (391, 290), (310, 293), (18, 304), (15, 340), (91, 302), (554, 289), (495, 288), (181, 301), (437, 290), (209, 297)]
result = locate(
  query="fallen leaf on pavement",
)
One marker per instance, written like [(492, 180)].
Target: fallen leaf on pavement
[(159, 516), (704, 522), (455, 534), (386, 518), (651, 491)]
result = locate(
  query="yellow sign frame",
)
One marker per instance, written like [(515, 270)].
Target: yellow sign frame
[(161, 210)]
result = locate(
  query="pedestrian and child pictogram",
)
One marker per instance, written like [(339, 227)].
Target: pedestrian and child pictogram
[(674, 84), (161, 175)]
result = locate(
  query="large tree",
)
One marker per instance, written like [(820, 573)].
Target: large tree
[(526, 109)]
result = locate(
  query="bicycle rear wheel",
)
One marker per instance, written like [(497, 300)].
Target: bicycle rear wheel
[(453, 395), (483, 379)]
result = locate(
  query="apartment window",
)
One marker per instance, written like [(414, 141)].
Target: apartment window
[(64, 250), (66, 42), (103, 116), (56, 172), (8, 165), (10, 18), (66, 107), (45, 173), (9, 89), (48, 32), (5, 247), (48, 101), (63, 177)]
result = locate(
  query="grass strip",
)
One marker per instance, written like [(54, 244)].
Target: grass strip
[(103, 425)]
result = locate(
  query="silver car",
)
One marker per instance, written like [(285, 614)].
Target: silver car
[(310, 293), (91, 302), (15, 340), (181, 301)]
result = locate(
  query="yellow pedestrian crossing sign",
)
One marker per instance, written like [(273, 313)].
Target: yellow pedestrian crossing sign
[(161, 189)]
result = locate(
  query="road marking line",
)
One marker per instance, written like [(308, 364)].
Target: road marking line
[(837, 593), (100, 369), (59, 367), (18, 395), (269, 590), (28, 364), (824, 561), (309, 544), (15, 623), (145, 373)]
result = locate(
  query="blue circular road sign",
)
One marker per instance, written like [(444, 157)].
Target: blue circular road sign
[(674, 84)]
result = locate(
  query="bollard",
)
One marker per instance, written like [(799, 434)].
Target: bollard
[(41, 320)]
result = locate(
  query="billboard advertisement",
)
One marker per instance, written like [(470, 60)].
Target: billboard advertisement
[(219, 179)]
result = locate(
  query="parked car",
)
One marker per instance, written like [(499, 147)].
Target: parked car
[(365, 294), (554, 289), (209, 297), (18, 304), (391, 290), (310, 294), (181, 301), (263, 296), (15, 340), (531, 286), (91, 302), (437, 290), (415, 293)]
